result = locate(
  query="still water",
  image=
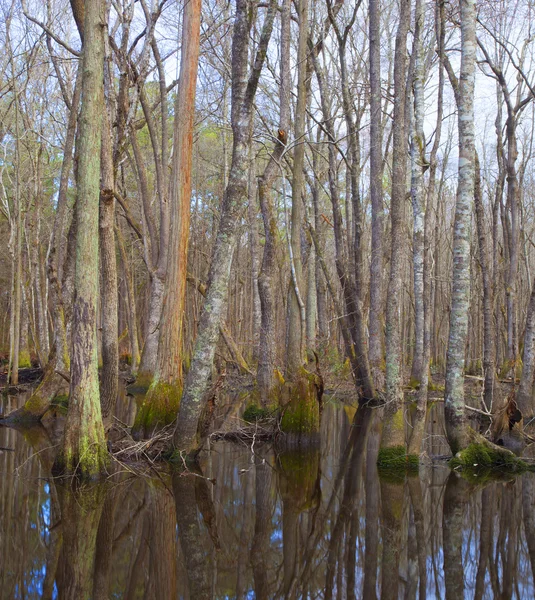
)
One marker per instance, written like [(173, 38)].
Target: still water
[(256, 522)]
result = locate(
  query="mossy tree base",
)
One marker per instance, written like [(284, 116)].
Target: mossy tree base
[(396, 458), (158, 409), (301, 401), (25, 361)]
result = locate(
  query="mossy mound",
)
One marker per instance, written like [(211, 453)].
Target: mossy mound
[(158, 409), (395, 458), (477, 457), (25, 361)]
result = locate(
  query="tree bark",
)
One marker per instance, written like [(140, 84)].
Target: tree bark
[(456, 428), (84, 450), (161, 404), (394, 424)]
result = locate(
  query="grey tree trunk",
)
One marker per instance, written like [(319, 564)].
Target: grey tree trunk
[(418, 162), (296, 328), (109, 384), (456, 429), (375, 324), (265, 375), (197, 382), (394, 424)]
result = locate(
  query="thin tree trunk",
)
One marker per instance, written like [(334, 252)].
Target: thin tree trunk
[(109, 384), (454, 395), (375, 324), (394, 423), (295, 338)]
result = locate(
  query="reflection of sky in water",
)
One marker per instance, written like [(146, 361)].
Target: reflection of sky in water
[(28, 537)]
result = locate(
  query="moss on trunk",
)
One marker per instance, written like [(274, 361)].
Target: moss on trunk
[(158, 409), (302, 401), (396, 457)]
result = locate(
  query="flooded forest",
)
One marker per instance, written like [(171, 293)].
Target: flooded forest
[(267, 299)]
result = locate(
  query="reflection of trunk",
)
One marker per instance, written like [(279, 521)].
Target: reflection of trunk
[(373, 500), (485, 538), (455, 498), (80, 516), (298, 485), (262, 531), (528, 517), (104, 547), (191, 537), (417, 501), (136, 573), (392, 514), (162, 548), (245, 535), (347, 514)]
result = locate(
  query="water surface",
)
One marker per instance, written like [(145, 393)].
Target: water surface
[(259, 522)]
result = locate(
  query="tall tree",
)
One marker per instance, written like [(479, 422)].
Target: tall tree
[(394, 423), (160, 407), (456, 428), (84, 449)]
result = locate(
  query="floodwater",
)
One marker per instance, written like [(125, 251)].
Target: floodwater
[(262, 523)]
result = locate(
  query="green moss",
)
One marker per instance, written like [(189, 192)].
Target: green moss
[(61, 403), (158, 409), (25, 361), (396, 458), (89, 463), (414, 383), (479, 457)]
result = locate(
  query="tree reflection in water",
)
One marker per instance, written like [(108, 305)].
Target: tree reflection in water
[(317, 522)]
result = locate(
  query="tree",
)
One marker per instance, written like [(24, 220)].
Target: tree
[(160, 407), (456, 427), (84, 449)]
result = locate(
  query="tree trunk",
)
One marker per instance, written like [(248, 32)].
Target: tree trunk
[(418, 162), (243, 93), (375, 324), (109, 384), (84, 449), (295, 337), (161, 404), (456, 429), (394, 423)]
